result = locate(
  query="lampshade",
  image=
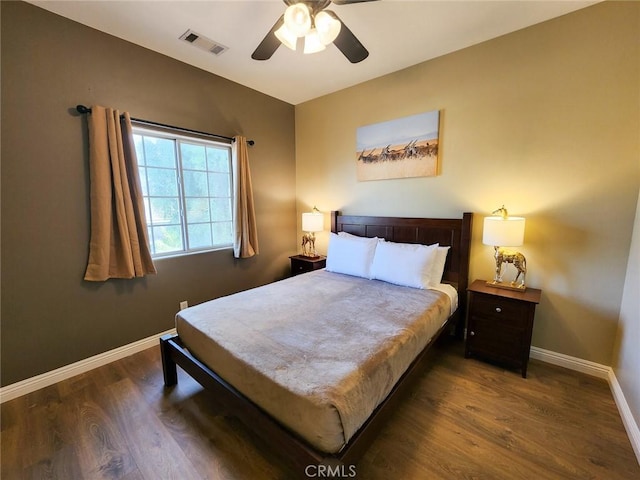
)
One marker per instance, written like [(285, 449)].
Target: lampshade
[(312, 222), (328, 27), (503, 232), (288, 38), (312, 43), (297, 18)]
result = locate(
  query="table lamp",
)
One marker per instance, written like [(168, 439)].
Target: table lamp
[(501, 230), (311, 222)]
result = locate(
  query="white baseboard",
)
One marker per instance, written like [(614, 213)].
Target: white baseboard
[(49, 378), (633, 430), (600, 371), (572, 363)]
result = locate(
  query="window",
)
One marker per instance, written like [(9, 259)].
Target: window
[(186, 184)]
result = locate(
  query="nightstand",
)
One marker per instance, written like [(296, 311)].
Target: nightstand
[(302, 264), (500, 323)]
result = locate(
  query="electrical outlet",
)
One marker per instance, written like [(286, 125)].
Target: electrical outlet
[(184, 304)]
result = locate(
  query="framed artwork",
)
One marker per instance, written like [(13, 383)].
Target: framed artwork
[(400, 148)]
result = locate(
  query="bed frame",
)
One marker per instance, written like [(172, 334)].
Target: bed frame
[(455, 233)]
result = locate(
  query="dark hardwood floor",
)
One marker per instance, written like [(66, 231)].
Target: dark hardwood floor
[(464, 420)]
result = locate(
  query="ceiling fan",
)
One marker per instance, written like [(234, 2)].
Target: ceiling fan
[(319, 27)]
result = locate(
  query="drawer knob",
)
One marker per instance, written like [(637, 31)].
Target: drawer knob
[(472, 333), (498, 309)]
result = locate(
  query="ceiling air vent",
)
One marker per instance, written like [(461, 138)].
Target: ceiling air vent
[(203, 42)]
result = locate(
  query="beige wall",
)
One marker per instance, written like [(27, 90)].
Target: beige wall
[(544, 120), (50, 316)]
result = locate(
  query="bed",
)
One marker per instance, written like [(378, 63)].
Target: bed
[(315, 363)]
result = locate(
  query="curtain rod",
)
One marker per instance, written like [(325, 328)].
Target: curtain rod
[(83, 109)]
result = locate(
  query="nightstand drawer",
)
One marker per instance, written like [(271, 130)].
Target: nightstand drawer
[(299, 267), (501, 309), (301, 264)]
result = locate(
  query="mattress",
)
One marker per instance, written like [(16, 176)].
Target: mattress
[(318, 352)]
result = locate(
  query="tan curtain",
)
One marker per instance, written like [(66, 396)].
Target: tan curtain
[(119, 246), (245, 242)]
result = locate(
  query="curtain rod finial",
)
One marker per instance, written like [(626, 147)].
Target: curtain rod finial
[(251, 143), (83, 109)]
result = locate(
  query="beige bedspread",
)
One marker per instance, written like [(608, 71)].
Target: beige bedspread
[(318, 351)]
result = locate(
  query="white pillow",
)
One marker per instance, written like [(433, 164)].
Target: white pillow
[(351, 235), (404, 264), (437, 267), (351, 255), (347, 234)]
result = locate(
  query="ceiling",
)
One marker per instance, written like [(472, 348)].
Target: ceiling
[(397, 33)]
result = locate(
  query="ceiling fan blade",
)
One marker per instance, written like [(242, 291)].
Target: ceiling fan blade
[(269, 44), (347, 2), (348, 44)]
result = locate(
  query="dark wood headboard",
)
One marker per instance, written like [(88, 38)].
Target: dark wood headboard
[(455, 233)]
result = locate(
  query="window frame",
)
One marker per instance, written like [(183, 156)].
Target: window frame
[(179, 137)]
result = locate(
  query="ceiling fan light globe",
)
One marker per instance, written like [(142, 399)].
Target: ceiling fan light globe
[(297, 18), (328, 27), (285, 36), (312, 43)]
